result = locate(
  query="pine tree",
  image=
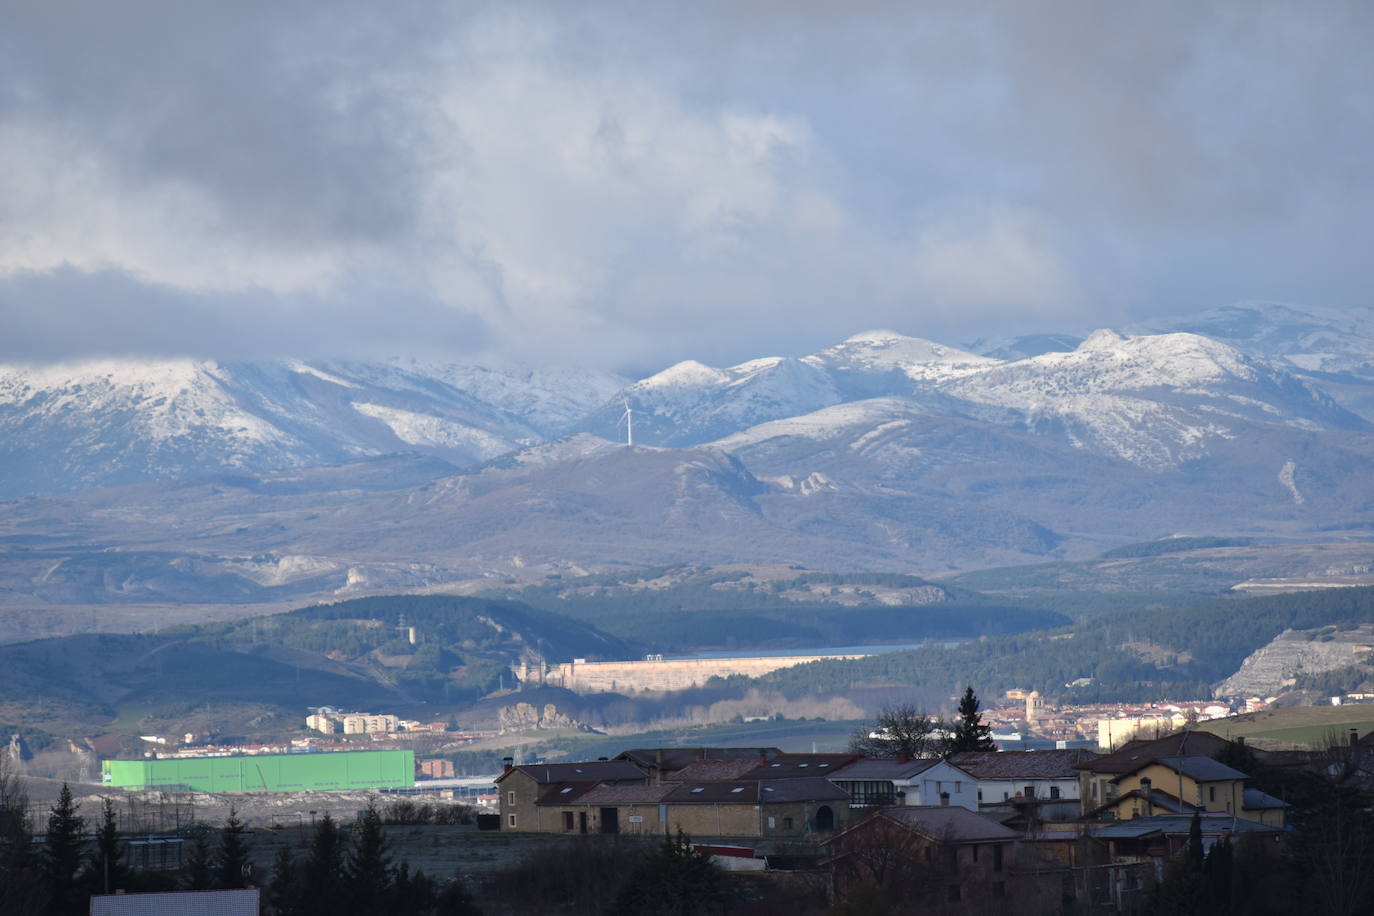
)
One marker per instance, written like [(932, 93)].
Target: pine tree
[(283, 890), (22, 876), (106, 871), (322, 872), (62, 854), (232, 864), (199, 868), (674, 880), (968, 733), (368, 874)]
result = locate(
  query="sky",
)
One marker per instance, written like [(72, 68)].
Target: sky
[(629, 184)]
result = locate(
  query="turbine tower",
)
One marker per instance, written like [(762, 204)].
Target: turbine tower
[(628, 418)]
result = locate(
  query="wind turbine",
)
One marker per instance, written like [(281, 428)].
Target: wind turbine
[(628, 418)]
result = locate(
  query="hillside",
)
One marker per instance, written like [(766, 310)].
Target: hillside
[(268, 670), (1139, 654)]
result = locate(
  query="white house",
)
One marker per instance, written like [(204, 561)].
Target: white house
[(928, 781), (1006, 775)]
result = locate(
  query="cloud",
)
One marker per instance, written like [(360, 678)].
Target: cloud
[(616, 184)]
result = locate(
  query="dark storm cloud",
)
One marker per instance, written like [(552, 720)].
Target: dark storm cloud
[(633, 184)]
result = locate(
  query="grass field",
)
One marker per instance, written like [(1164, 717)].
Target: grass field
[(1295, 726)]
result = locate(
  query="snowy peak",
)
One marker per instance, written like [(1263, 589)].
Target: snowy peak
[(115, 421), (885, 351)]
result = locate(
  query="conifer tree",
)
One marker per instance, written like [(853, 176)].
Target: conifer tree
[(968, 733), (283, 890), (200, 874), (674, 880), (231, 862), (368, 874), (322, 872), (22, 876), (62, 854), (106, 872)]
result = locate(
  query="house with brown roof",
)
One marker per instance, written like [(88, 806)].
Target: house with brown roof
[(662, 762), (756, 808), (523, 789), (1006, 775)]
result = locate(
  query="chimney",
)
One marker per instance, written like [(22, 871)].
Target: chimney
[(944, 799), (507, 764), (1146, 784)]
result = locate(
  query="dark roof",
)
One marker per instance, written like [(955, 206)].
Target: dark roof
[(593, 771), (1178, 824), (624, 794), (1132, 753), (1165, 802), (786, 766), (561, 793), (1047, 764), (948, 823), (700, 770), (1201, 769), (756, 791), (675, 758), (884, 768), (1255, 800)]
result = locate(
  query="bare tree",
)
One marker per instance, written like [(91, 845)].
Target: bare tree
[(899, 731)]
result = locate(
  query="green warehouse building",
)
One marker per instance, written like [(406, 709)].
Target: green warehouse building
[(319, 772)]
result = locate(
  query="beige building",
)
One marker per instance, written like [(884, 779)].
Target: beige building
[(367, 724)]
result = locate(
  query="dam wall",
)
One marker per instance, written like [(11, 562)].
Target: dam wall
[(655, 673)]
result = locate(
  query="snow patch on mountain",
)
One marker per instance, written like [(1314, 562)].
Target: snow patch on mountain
[(423, 429)]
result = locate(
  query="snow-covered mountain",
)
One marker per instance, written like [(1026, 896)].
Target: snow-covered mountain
[(1311, 339), (65, 427), (691, 403)]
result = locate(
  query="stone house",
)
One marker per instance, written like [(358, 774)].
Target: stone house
[(767, 809), (522, 788)]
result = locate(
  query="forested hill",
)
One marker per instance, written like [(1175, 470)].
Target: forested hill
[(1137, 655)]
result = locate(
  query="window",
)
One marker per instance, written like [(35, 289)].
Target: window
[(787, 823), (772, 822), (512, 820), (568, 821), (1054, 791), (736, 789), (510, 797), (1211, 793), (980, 794), (997, 857), (975, 852), (958, 786), (1028, 791)]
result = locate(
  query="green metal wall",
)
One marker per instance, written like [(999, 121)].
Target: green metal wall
[(337, 771)]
